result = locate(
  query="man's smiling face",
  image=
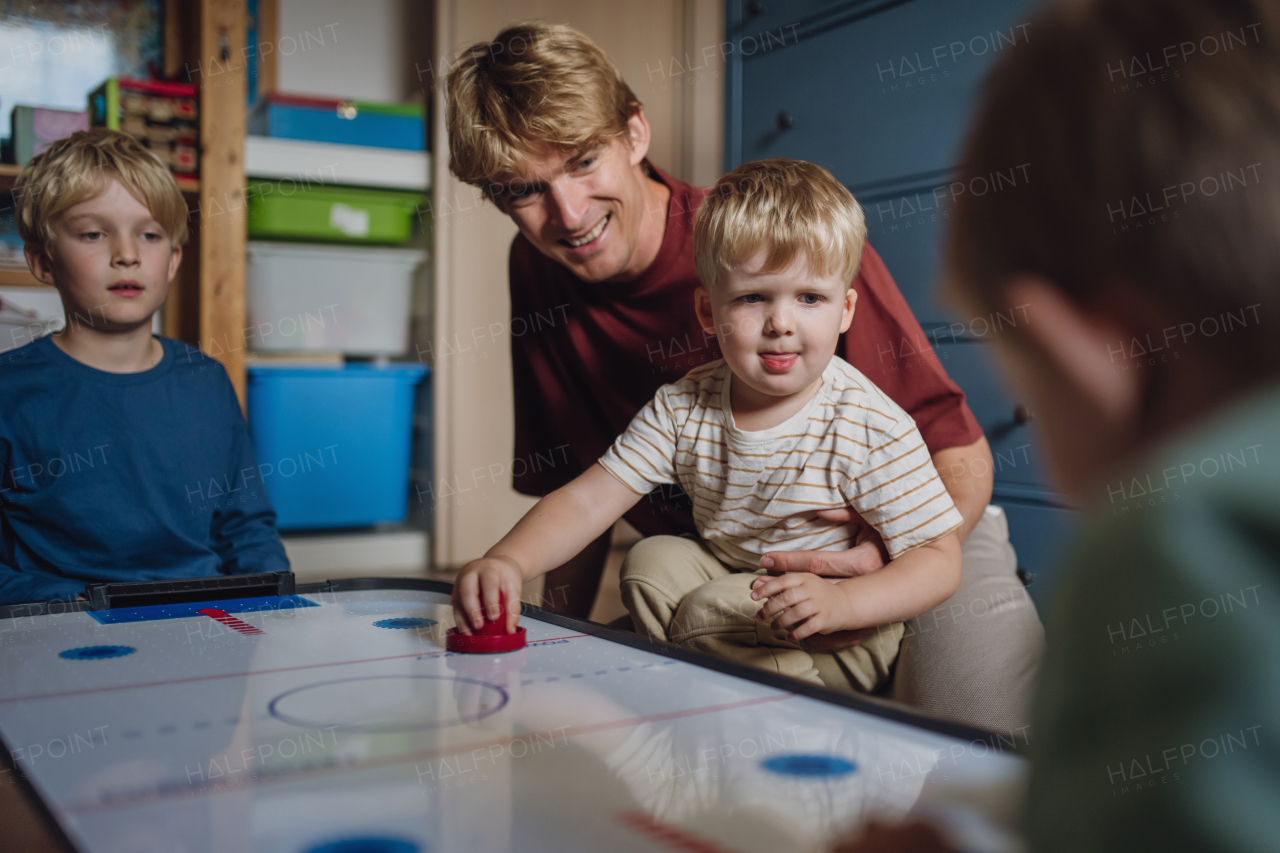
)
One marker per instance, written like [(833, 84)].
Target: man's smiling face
[(584, 209)]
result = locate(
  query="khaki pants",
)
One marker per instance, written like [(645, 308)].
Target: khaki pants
[(677, 590)]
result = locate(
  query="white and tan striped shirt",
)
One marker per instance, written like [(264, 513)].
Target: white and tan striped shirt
[(758, 491)]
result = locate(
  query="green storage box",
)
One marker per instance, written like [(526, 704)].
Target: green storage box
[(286, 210)]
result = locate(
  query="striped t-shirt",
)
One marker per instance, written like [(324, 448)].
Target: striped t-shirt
[(758, 491)]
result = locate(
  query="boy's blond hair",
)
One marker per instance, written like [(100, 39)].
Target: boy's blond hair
[(78, 168), (535, 85), (786, 208)]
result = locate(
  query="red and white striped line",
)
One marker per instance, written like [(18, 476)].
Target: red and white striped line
[(238, 625)]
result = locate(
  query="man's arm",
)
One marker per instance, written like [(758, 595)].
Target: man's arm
[(966, 472), (914, 583)]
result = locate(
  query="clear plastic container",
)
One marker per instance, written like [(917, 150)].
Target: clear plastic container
[(355, 300)]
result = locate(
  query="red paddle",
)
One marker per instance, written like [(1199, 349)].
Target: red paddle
[(491, 639)]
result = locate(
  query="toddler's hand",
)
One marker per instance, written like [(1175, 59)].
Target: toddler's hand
[(802, 604), (480, 588)]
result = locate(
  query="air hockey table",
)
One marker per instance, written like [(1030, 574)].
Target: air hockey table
[(331, 719)]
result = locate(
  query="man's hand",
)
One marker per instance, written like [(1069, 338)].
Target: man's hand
[(866, 555), (479, 590), (801, 604)]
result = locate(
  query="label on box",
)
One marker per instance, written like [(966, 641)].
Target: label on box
[(349, 220)]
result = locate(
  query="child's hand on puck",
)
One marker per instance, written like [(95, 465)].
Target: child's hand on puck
[(479, 590), (802, 604)]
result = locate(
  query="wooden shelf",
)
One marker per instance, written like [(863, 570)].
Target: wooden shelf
[(18, 278), (9, 174)]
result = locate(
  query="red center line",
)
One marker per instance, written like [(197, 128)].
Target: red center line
[(88, 690), (213, 789)]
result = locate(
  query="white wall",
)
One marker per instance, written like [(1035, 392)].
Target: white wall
[(363, 55)]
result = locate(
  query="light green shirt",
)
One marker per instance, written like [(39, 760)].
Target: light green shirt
[(1157, 716)]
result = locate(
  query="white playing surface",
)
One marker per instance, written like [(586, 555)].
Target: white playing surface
[(326, 728)]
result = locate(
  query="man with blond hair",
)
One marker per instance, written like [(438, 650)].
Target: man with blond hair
[(541, 119)]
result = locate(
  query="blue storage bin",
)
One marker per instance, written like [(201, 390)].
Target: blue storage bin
[(284, 116), (333, 443)]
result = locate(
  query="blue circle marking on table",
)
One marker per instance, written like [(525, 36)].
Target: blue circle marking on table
[(405, 622), (366, 845), (97, 652), (808, 766)]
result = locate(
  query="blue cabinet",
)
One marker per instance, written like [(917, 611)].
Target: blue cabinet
[(1005, 421), (770, 17), (873, 90), (880, 93), (906, 223), (1040, 533)]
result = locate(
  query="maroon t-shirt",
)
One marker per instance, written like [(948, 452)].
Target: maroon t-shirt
[(586, 357)]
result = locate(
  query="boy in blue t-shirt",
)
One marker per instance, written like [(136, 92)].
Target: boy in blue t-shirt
[(123, 456)]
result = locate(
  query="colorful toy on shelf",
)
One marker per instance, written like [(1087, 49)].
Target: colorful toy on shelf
[(36, 128), (163, 116)]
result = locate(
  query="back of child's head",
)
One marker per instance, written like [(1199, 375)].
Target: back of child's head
[(1149, 135), (79, 168), (785, 208)]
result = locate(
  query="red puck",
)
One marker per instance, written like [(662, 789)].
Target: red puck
[(490, 639), (484, 644)]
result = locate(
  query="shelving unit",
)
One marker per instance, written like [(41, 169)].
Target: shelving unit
[(18, 278), (389, 550), (206, 305)]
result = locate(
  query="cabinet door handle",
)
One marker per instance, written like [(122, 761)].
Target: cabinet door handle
[(786, 120), (1022, 415)]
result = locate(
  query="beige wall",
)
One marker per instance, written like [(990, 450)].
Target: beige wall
[(473, 501)]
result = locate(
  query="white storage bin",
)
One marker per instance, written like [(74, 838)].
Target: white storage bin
[(304, 296), (27, 313)]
